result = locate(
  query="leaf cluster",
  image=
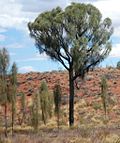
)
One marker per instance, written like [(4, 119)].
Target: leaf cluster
[(77, 37)]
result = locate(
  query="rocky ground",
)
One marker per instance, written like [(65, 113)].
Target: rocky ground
[(29, 83), (88, 107)]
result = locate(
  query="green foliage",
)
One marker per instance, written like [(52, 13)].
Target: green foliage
[(46, 102), (57, 101), (23, 101), (8, 86), (104, 95), (57, 97), (50, 104), (96, 106), (4, 64), (78, 30), (4, 61), (4, 96), (35, 112), (13, 84), (14, 74), (77, 37), (23, 106), (118, 65)]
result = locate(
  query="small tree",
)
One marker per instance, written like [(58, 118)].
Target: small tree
[(13, 83), (45, 102), (4, 98), (104, 94), (50, 104), (35, 112), (57, 100)]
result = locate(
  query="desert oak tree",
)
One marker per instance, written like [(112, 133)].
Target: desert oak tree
[(77, 37)]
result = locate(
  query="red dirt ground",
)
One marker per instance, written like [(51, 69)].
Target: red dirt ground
[(29, 83)]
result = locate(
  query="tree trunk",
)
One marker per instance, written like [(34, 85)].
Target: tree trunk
[(58, 119), (5, 119), (13, 113), (71, 99), (13, 108), (12, 120)]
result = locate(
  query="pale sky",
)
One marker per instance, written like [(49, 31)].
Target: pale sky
[(14, 34)]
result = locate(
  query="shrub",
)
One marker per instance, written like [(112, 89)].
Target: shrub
[(46, 102), (57, 101), (118, 65), (35, 112), (104, 94)]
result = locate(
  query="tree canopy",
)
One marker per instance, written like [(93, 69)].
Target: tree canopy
[(77, 37)]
